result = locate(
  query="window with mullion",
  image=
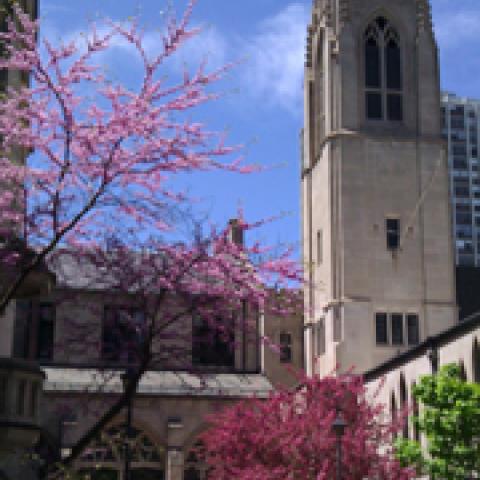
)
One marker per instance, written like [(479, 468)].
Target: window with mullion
[(45, 331), (397, 328), (383, 72), (381, 328), (413, 330)]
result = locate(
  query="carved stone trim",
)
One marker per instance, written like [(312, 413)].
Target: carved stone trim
[(424, 17)]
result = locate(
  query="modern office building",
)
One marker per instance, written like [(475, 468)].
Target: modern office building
[(460, 124)]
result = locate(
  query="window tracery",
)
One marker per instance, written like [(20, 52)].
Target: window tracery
[(104, 459), (383, 72)]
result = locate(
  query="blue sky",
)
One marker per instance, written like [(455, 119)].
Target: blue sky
[(261, 106)]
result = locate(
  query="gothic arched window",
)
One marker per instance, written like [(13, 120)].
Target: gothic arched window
[(383, 72), (104, 458)]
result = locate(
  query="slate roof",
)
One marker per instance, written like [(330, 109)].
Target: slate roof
[(464, 327), (165, 383)]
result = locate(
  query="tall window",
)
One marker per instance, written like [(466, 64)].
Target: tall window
[(123, 329), (45, 331), (381, 328), (397, 329), (392, 226), (383, 72), (413, 331), (211, 345), (34, 332)]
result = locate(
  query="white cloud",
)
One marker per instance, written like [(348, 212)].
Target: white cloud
[(274, 55), (274, 69), (209, 45), (454, 29)]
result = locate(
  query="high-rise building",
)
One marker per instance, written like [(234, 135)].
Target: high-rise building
[(377, 234), (460, 124)]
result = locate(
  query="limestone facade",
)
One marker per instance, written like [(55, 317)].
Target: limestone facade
[(375, 194), (459, 345), (64, 330)]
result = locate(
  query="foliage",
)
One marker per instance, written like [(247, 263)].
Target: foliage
[(290, 435), (450, 420), (87, 166), (101, 154)]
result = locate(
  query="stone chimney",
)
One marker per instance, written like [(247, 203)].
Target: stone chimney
[(235, 232)]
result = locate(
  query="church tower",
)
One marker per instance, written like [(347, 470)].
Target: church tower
[(377, 237)]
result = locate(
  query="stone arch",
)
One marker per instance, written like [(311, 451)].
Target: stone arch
[(105, 455), (394, 19)]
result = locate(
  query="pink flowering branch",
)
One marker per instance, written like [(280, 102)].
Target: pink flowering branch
[(102, 159), (100, 166)]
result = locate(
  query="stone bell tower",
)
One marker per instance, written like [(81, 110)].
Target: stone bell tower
[(377, 238)]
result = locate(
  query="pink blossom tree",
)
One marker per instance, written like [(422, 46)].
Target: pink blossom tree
[(291, 435), (100, 157), (87, 163)]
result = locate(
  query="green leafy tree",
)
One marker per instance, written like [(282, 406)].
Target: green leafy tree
[(450, 421)]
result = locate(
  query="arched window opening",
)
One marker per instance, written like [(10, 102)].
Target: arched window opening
[(404, 406), (104, 459), (383, 72), (476, 361), (463, 373)]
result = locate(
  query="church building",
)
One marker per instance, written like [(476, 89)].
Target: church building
[(377, 237), (378, 243)]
